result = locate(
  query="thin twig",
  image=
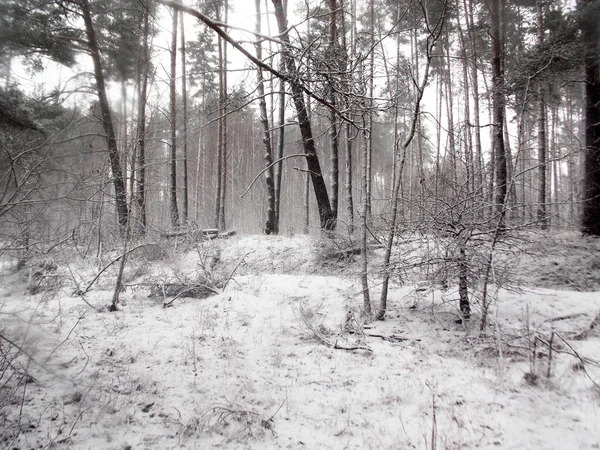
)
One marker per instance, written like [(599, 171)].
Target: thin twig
[(90, 284)]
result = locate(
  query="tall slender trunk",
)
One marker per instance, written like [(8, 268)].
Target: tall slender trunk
[(496, 7), (107, 124), (219, 174), (320, 189), (224, 99), (174, 210), (140, 194), (333, 126), (468, 137), (281, 127), (271, 225), (280, 148), (541, 125), (186, 194), (556, 172), (450, 118), (478, 157), (364, 224), (369, 135), (349, 129)]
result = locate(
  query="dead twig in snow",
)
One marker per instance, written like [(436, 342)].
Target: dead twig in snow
[(232, 273), (91, 283), (319, 332), (581, 360), (221, 415)]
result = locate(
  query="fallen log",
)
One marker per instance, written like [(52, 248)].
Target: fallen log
[(181, 290)]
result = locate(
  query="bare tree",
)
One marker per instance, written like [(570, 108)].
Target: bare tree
[(434, 30)]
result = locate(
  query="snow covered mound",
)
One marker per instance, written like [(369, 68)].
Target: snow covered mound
[(281, 358)]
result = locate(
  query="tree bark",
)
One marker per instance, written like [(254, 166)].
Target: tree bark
[(174, 210), (185, 125), (349, 131), (140, 194), (271, 224), (479, 165), (224, 100), (280, 148), (541, 125), (591, 186), (333, 126), (495, 7), (107, 124)]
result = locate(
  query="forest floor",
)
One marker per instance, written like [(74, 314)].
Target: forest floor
[(268, 362)]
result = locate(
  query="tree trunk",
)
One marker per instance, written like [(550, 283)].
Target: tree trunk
[(479, 165), (140, 195), (221, 174), (463, 281), (495, 7), (468, 137), (333, 126), (326, 217), (364, 223), (271, 225), (349, 131), (280, 147), (541, 125), (591, 186), (113, 152), (224, 100), (174, 210), (184, 111)]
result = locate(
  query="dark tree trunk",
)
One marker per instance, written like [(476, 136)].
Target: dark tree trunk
[(111, 140), (326, 216), (591, 189), (173, 117)]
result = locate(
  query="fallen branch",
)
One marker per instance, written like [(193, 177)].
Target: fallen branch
[(178, 290), (565, 317)]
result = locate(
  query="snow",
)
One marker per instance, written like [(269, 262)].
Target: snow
[(241, 369)]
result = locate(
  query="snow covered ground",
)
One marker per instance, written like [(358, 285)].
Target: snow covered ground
[(246, 368)]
